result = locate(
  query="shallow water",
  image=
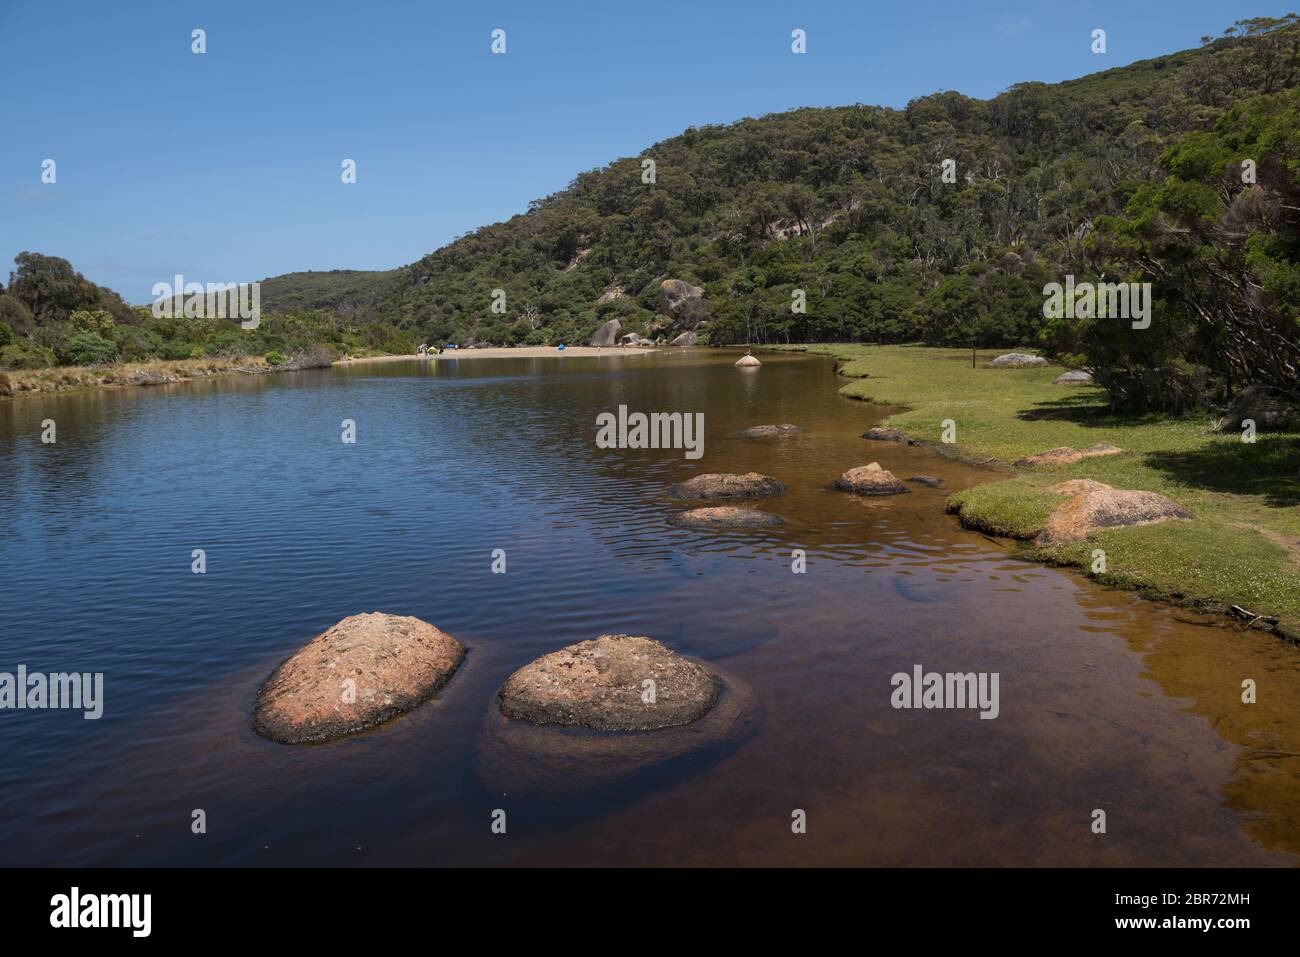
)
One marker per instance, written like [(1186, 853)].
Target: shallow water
[(1106, 700)]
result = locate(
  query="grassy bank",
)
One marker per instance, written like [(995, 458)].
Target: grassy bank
[(152, 372), (1243, 548)]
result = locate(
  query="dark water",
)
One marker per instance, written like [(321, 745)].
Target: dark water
[(1107, 701)]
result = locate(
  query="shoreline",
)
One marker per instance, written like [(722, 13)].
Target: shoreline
[(507, 352), (1013, 503), (27, 383)]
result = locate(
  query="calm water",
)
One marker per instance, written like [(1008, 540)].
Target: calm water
[(1107, 701)]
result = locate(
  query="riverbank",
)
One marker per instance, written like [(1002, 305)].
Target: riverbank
[(513, 352), (1242, 549), (167, 372)]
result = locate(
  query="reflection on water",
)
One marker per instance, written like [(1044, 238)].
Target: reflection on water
[(1107, 701)]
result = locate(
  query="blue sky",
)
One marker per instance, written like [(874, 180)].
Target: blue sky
[(225, 166)]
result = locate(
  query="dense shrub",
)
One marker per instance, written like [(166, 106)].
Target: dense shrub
[(24, 354)]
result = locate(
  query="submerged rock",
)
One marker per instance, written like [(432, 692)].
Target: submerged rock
[(748, 362), (607, 334), (882, 434), (359, 673), (549, 764), (1104, 508), (725, 516), (930, 480), (727, 485), (762, 431), (611, 683), (1017, 360), (870, 480), (1066, 455), (1074, 375)]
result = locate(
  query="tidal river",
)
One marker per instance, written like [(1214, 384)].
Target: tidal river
[(1106, 702)]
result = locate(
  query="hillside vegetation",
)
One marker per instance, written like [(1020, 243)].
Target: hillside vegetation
[(940, 223)]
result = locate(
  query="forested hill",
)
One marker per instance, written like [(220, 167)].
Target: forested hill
[(849, 204)]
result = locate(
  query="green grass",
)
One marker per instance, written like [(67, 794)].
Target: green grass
[(1244, 547)]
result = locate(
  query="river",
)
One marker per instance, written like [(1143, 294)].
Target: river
[(1107, 701)]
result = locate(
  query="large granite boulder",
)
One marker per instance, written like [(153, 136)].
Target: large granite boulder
[(607, 334), (1017, 360), (686, 339), (748, 362), (1105, 508), (870, 480), (359, 673), (611, 683), (682, 302), (1073, 377), (549, 764), (724, 485)]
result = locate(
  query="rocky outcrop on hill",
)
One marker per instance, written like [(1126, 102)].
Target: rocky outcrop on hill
[(607, 334)]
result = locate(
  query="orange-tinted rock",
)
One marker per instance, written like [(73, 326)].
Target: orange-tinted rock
[(1067, 456), (725, 516), (1108, 508), (727, 485), (611, 683), (870, 480), (359, 673)]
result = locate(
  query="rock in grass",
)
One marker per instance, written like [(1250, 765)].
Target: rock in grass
[(930, 480), (1066, 455), (722, 485), (359, 673), (1078, 486), (725, 516), (762, 431), (611, 683), (1071, 377), (1105, 508), (882, 434), (1015, 360), (1269, 412), (870, 480)]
